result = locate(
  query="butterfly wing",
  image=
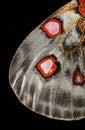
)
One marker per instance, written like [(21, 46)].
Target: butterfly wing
[(47, 72)]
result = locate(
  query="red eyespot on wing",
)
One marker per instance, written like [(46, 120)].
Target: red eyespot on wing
[(82, 2), (81, 26), (52, 27), (81, 9), (47, 66), (78, 78)]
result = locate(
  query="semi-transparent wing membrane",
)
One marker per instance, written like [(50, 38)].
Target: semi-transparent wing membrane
[(47, 72)]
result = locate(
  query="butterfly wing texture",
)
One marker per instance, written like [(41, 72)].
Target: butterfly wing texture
[(47, 72)]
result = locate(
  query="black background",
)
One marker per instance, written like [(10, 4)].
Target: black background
[(20, 18)]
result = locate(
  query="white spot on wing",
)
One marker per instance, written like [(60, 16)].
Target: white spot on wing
[(46, 66), (52, 27)]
